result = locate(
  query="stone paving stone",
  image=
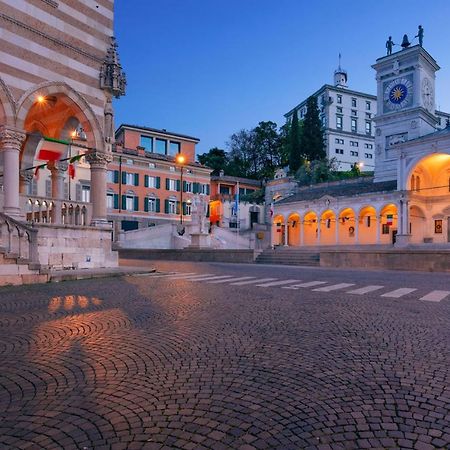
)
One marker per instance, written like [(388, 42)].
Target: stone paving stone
[(169, 365)]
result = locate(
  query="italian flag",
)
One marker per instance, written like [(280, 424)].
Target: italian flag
[(51, 150)]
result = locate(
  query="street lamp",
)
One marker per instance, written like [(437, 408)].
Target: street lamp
[(180, 159)]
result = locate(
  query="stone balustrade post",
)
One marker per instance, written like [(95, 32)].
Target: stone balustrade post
[(99, 163), (58, 171), (11, 140)]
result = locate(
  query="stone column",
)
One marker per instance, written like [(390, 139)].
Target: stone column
[(319, 223), (378, 224), (403, 237), (11, 140), (26, 177), (356, 230), (57, 170), (99, 163), (286, 233), (336, 224), (302, 231)]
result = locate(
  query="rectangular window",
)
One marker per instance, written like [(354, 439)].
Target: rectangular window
[(354, 125), (368, 116), (172, 206), (188, 186), (129, 178), (110, 176), (172, 169), (368, 155), (151, 165), (339, 151), (368, 106), (368, 127), (339, 122), (147, 143), (174, 148), (204, 189), (151, 204), (354, 153), (188, 209), (151, 182), (85, 193), (354, 112), (129, 162), (339, 99), (161, 146), (354, 143), (225, 190), (339, 109), (110, 201), (129, 203), (172, 185), (353, 102)]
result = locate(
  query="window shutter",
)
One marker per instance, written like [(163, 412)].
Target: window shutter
[(196, 188), (146, 180), (178, 185), (158, 182), (167, 183), (124, 202), (116, 176), (136, 203), (178, 207), (158, 206), (184, 208), (184, 186), (136, 179), (124, 178), (78, 192), (146, 204), (166, 206), (207, 211), (116, 201), (207, 189)]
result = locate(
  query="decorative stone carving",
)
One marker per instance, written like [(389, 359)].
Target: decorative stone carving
[(396, 67), (26, 176), (378, 132), (378, 149), (99, 159), (60, 166), (414, 124), (395, 139), (11, 138), (112, 77)]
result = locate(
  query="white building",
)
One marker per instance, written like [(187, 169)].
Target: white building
[(407, 201), (347, 119)]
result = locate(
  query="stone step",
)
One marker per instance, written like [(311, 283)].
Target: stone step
[(14, 280), (16, 269)]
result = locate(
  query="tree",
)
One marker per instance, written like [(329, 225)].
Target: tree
[(294, 144), (242, 155), (311, 141), (216, 159), (268, 146)]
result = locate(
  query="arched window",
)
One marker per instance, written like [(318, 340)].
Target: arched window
[(417, 183), (413, 183)]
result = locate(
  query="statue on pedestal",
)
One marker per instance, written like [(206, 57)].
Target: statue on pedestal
[(420, 35), (389, 45)]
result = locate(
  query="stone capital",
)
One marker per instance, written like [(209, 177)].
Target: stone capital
[(99, 159), (11, 138), (26, 175), (58, 166)]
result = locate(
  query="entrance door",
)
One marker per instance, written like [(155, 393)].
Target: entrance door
[(253, 218)]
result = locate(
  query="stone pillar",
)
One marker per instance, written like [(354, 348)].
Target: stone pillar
[(26, 178), (302, 231), (356, 230), (403, 237), (99, 162), (378, 224), (318, 230), (337, 230), (57, 170), (286, 233), (11, 140)]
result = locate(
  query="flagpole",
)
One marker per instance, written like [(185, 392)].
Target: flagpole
[(68, 172), (237, 215)]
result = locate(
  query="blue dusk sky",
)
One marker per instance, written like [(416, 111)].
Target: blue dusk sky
[(208, 69)]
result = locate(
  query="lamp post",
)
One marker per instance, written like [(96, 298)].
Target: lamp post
[(180, 159)]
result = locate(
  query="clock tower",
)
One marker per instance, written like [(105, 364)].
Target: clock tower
[(406, 106)]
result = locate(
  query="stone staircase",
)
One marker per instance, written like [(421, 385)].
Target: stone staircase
[(18, 253), (289, 256)]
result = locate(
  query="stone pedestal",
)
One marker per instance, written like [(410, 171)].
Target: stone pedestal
[(200, 240)]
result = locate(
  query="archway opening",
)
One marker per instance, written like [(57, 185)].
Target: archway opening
[(388, 224), (328, 228), (417, 224), (310, 228), (278, 230), (367, 226), (347, 227), (293, 227)]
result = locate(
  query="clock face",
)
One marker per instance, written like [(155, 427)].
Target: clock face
[(398, 94), (427, 94)]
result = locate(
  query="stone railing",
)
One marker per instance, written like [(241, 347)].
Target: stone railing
[(58, 212), (18, 239)]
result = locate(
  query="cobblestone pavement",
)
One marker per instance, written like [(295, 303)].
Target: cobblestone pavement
[(147, 362)]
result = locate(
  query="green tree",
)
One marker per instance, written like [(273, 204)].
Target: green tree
[(216, 159), (244, 160), (294, 144), (312, 145), (268, 147)]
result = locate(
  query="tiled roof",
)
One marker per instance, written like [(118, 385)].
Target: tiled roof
[(340, 189)]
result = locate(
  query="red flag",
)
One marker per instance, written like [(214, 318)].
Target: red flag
[(51, 151), (72, 171), (36, 170)]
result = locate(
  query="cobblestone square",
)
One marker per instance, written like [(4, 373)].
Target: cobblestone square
[(155, 362)]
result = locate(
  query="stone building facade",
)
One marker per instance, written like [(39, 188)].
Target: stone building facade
[(59, 71), (408, 199)]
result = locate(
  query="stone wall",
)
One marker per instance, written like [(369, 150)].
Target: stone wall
[(414, 260), (65, 246)]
